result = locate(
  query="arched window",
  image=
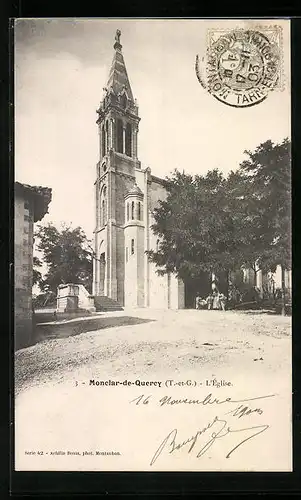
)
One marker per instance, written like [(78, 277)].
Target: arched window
[(127, 211), (103, 141), (157, 245), (128, 140), (132, 247), (97, 208), (133, 210), (105, 204), (119, 136), (139, 211), (103, 197), (113, 134), (103, 212), (107, 136)]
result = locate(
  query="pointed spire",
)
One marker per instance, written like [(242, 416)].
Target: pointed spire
[(118, 77)]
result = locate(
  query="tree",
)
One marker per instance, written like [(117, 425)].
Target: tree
[(268, 173), (37, 275), (195, 226), (67, 253), (212, 223)]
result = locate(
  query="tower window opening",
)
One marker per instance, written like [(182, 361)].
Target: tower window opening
[(132, 247), (133, 210), (97, 208), (103, 141), (103, 218), (157, 245), (103, 212), (126, 254), (113, 134), (119, 136), (128, 140), (127, 211), (139, 211), (107, 136)]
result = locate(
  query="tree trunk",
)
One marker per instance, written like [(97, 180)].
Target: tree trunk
[(254, 276), (227, 283), (282, 291)]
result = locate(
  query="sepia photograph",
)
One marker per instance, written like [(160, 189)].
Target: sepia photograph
[(152, 227)]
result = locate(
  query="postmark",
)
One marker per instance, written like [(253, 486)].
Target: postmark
[(242, 66)]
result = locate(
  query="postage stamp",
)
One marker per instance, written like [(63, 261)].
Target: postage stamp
[(242, 66)]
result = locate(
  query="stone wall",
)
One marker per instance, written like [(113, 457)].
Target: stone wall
[(134, 265), (157, 192), (23, 270), (123, 185)]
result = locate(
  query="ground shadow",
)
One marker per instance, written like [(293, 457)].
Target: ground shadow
[(52, 315), (257, 311), (63, 330)]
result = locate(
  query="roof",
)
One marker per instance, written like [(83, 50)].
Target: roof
[(41, 197), (118, 77), (135, 191), (159, 180)]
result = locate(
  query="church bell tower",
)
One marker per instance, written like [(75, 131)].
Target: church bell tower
[(118, 122)]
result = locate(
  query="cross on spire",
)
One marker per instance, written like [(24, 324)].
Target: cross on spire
[(117, 44)]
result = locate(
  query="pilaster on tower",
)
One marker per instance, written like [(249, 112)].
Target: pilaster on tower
[(118, 118)]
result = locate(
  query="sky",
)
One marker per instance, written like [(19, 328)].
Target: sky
[(61, 67)]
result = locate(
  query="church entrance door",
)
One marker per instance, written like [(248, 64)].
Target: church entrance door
[(196, 286), (102, 273)]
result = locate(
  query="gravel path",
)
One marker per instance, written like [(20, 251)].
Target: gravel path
[(147, 342)]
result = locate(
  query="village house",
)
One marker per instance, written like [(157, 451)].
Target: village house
[(31, 205)]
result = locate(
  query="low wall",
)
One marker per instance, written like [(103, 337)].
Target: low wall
[(71, 297)]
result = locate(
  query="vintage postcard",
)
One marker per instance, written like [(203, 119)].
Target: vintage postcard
[(152, 245)]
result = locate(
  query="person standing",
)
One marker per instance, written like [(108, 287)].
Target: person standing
[(209, 301), (223, 301), (216, 302)]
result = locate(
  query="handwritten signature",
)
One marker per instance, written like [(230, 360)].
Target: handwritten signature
[(170, 444)]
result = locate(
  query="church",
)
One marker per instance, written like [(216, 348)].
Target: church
[(125, 195)]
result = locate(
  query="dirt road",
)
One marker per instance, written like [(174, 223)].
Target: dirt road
[(70, 411), (143, 342)]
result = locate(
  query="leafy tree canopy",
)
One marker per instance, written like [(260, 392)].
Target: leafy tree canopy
[(217, 223), (68, 256), (267, 176)]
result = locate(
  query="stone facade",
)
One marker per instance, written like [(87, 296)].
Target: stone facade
[(125, 196), (31, 204)]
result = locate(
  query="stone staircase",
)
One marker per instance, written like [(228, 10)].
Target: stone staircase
[(103, 303)]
